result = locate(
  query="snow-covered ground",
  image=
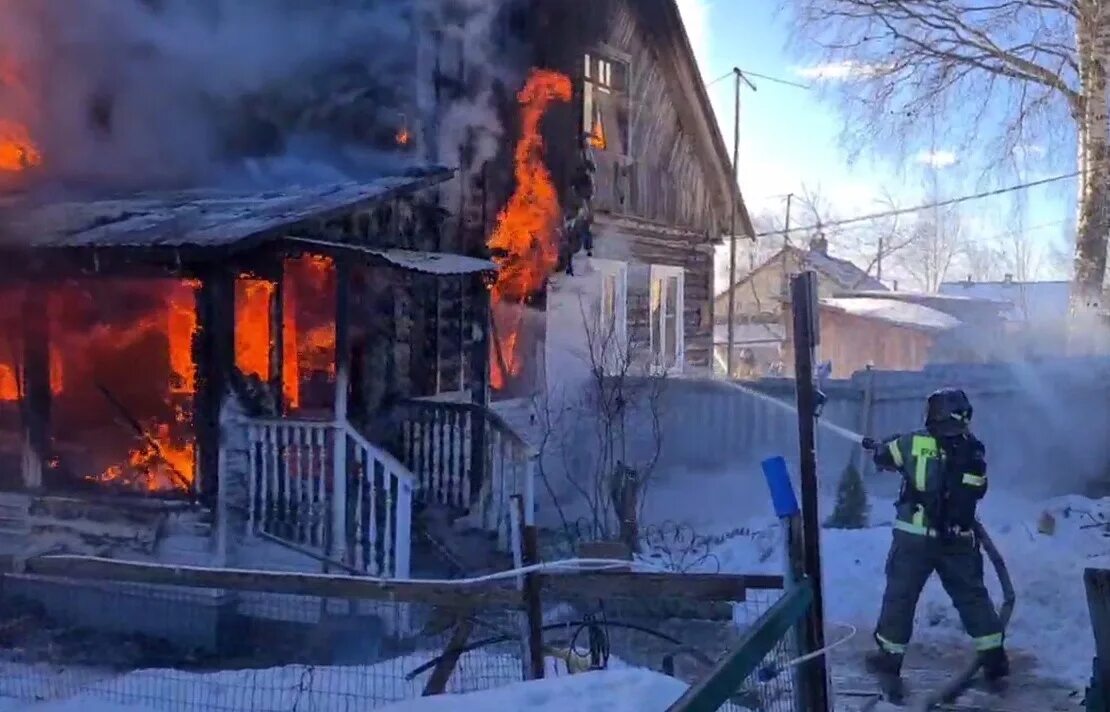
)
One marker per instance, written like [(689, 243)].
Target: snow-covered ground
[(1049, 634), (610, 691), (1050, 622)]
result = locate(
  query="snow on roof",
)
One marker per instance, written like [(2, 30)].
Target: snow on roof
[(916, 316), (437, 263), (192, 218), (1030, 301)]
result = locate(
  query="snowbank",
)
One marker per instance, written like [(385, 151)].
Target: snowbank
[(629, 690)]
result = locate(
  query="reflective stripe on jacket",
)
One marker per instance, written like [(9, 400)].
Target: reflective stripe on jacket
[(921, 462)]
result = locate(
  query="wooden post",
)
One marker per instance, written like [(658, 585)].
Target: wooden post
[(516, 538), (441, 674), (803, 292), (480, 362), (866, 419), (277, 338), (342, 381), (214, 355), (36, 386), (532, 603), (1097, 583)]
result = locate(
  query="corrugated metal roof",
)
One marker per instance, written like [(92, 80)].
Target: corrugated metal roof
[(436, 263), (194, 218), (1029, 301)]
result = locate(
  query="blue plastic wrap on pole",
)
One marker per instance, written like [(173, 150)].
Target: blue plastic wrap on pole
[(782, 491)]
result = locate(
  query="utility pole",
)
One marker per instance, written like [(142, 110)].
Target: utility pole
[(732, 229), (879, 261), (806, 332)]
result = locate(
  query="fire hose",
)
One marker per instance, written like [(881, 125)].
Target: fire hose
[(959, 682)]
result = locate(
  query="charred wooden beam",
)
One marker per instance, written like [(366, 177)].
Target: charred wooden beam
[(214, 355), (342, 332), (36, 393), (277, 338)]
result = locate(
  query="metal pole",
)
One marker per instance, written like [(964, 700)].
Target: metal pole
[(879, 262), (732, 233), (803, 296)]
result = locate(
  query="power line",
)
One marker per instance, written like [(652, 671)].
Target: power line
[(926, 206), (769, 78)]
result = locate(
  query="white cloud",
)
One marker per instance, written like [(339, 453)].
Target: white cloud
[(838, 71), (936, 159), (695, 16)]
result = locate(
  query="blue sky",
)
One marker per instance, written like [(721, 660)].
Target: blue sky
[(790, 136)]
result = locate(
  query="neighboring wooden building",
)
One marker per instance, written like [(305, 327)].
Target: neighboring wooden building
[(760, 295), (905, 332)]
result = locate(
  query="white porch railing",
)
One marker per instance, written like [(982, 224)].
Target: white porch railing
[(468, 458), (322, 486)]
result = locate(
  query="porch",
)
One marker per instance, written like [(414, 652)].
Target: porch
[(248, 380)]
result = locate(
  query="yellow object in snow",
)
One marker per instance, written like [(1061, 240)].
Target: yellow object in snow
[(1046, 524)]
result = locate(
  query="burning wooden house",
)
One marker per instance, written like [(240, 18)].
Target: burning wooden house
[(297, 368), (251, 356)]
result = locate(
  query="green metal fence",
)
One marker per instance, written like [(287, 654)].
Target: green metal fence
[(759, 673)]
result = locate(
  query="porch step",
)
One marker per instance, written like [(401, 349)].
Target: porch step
[(459, 550), (15, 514)]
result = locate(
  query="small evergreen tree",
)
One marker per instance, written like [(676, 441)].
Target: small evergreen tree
[(852, 509)]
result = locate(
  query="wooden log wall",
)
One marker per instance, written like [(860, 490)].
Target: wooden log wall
[(415, 334)]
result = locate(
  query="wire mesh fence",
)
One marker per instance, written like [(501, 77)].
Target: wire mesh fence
[(668, 633), (169, 647), (172, 648)]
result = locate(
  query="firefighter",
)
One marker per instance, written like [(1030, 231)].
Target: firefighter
[(944, 475)]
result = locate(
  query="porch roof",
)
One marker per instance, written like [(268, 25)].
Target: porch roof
[(192, 219), (435, 263)]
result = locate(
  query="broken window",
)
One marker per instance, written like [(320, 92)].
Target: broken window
[(605, 104)]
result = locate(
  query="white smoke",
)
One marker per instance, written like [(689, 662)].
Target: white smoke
[(152, 93)]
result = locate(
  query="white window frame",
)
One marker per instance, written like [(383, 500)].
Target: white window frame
[(618, 318), (661, 275)]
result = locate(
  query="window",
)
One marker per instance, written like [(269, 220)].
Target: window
[(667, 328), (605, 104), (612, 337)]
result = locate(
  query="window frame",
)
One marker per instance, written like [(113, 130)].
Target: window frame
[(618, 272), (658, 328), (606, 61)]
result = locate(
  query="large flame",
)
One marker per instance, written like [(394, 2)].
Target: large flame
[(252, 326), (524, 242), (18, 150)]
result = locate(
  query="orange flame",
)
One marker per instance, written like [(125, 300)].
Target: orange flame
[(403, 136), (166, 459), (309, 322), (524, 241), (18, 150), (181, 324), (597, 136), (252, 326)]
